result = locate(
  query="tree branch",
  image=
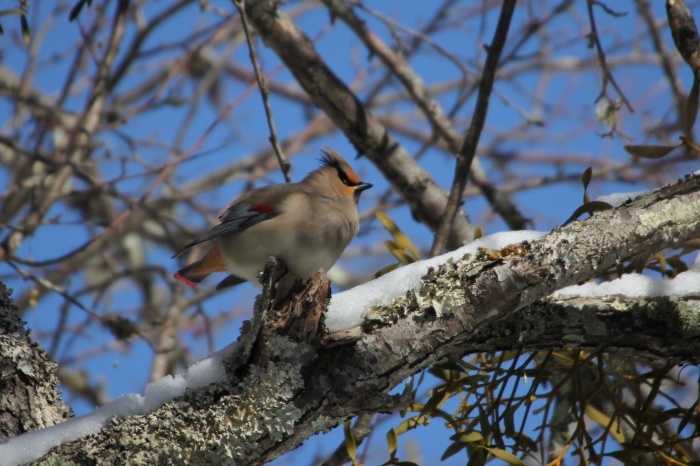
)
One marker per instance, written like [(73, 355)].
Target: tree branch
[(471, 141), (31, 399), (271, 405), (369, 136), (431, 108), (285, 166), (684, 32)]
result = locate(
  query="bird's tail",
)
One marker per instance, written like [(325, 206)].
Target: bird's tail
[(199, 270), (189, 276)]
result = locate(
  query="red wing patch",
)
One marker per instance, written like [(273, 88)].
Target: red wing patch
[(261, 208), (184, 280)]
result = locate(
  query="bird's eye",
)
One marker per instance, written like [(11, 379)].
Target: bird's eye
[(344, 178)]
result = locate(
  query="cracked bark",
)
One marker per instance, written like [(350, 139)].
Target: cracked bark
[(29, 397), (272, 404)]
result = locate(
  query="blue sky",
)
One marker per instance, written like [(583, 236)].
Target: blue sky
[(569, 101)]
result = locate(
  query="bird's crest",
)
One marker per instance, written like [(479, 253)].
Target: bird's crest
[(331, 158)]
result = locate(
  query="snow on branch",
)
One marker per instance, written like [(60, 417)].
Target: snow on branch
[(280, 391)]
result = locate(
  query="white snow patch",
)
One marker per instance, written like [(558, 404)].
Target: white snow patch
[(208, 370), (637, 286), (346, 308), (696, 264), (161, 391), (617, 199), (34, 445)]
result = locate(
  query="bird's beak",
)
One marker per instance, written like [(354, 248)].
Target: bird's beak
[(362, 187), (358, 190)]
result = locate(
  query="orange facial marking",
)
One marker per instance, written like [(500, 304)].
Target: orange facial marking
[(352, 176)]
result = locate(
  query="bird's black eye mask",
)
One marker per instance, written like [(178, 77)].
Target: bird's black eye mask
[(328, 161)]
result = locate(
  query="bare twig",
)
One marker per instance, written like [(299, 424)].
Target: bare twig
[(431, 108), (264, 93), (360, 430), (77, 146), (607, 75), (471, 141), (66, 296), (666, 62), (369, 136)]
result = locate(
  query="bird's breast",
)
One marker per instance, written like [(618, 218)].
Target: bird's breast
[(307, 235)]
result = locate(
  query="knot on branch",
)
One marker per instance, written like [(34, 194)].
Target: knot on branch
[(291, 307), (287, 307)]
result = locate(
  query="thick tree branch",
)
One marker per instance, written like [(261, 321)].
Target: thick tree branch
[(661, 328), (30, 398), (270, 405)]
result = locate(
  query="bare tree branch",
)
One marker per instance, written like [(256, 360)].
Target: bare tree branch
[(285, 166), (494, 305), (471, 140), (371, 138)]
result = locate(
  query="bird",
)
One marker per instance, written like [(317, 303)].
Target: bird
[(307, 224)]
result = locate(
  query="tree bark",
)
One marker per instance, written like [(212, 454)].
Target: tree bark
[(29, 396), (489, 301)]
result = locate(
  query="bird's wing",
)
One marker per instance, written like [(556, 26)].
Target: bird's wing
[(244, 213), (231, 280)]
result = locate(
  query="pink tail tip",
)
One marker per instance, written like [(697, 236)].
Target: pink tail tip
[(184, 280)]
